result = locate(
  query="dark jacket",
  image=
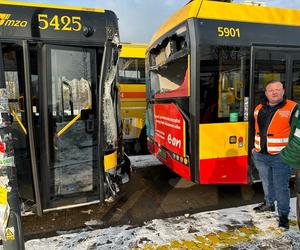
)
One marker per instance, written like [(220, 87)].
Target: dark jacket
[(291, 153)]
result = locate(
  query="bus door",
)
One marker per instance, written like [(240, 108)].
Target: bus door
[(69, 166), (14, 58), (268, 63)]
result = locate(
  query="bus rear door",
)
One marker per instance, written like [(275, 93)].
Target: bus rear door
[(272, 63)]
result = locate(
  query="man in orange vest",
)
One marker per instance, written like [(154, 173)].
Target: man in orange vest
[(272, 130)]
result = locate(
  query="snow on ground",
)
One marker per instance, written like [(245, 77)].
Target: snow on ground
[(142, 161), (234, 228)]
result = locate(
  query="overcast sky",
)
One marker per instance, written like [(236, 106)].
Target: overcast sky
[(138, 19)]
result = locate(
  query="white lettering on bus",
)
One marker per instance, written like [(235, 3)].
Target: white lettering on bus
[(174, 141)]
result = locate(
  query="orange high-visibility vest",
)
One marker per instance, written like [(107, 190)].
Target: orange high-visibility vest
[(279, 128)]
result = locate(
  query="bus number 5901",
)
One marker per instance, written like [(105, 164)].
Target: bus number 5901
[(228, 32)]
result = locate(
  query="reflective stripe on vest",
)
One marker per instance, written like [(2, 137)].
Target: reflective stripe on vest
[(278, 140), (275, 150), (257, 143), (279, 128)]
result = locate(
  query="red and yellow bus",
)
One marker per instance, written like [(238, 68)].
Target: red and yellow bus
[(206, 68), (57, 83), (132, 87)]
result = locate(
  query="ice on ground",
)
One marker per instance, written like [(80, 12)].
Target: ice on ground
[(233, 224), (143, 161)]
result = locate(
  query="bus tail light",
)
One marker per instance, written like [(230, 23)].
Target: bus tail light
[(181, 159), (241, 142), (185, 161)]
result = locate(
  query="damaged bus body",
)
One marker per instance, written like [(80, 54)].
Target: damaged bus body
[(57, 68), (206, 69)]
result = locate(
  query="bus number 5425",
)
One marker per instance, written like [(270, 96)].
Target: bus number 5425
[(228, 32), (65, 23)]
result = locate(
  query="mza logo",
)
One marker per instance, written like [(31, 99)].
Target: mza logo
[(5, 20)]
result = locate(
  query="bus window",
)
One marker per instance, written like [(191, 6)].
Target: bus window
[(71, 88), (132, 70), (269, 65), (169, 64), (71, 93), (171, 76), (224, 77), (12, 77), (13, 93)]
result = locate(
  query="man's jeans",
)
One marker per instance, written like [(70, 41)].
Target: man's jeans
[(275, 176)]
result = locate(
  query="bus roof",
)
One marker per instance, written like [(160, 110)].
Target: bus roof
[(206, 9), (133, 50), (51, 6)]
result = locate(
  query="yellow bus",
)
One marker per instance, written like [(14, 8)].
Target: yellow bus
[(207, 66), (57, 75), (132, 87)]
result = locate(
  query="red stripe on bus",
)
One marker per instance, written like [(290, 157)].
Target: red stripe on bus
[(133, 95), (228, 170)]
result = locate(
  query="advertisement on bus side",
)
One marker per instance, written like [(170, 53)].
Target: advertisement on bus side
[(169, 128)]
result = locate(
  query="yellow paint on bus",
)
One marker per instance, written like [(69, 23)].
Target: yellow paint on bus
[(224, 141), (205, 9), (126, 87), (132, 94), (51, 6), (110, 161), (133, 50)]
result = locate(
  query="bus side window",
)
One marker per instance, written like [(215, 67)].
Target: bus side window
[(224, 81), (230, 92), (169, 63)]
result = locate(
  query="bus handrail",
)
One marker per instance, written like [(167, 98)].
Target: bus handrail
[(19, 121), (65, 128)]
